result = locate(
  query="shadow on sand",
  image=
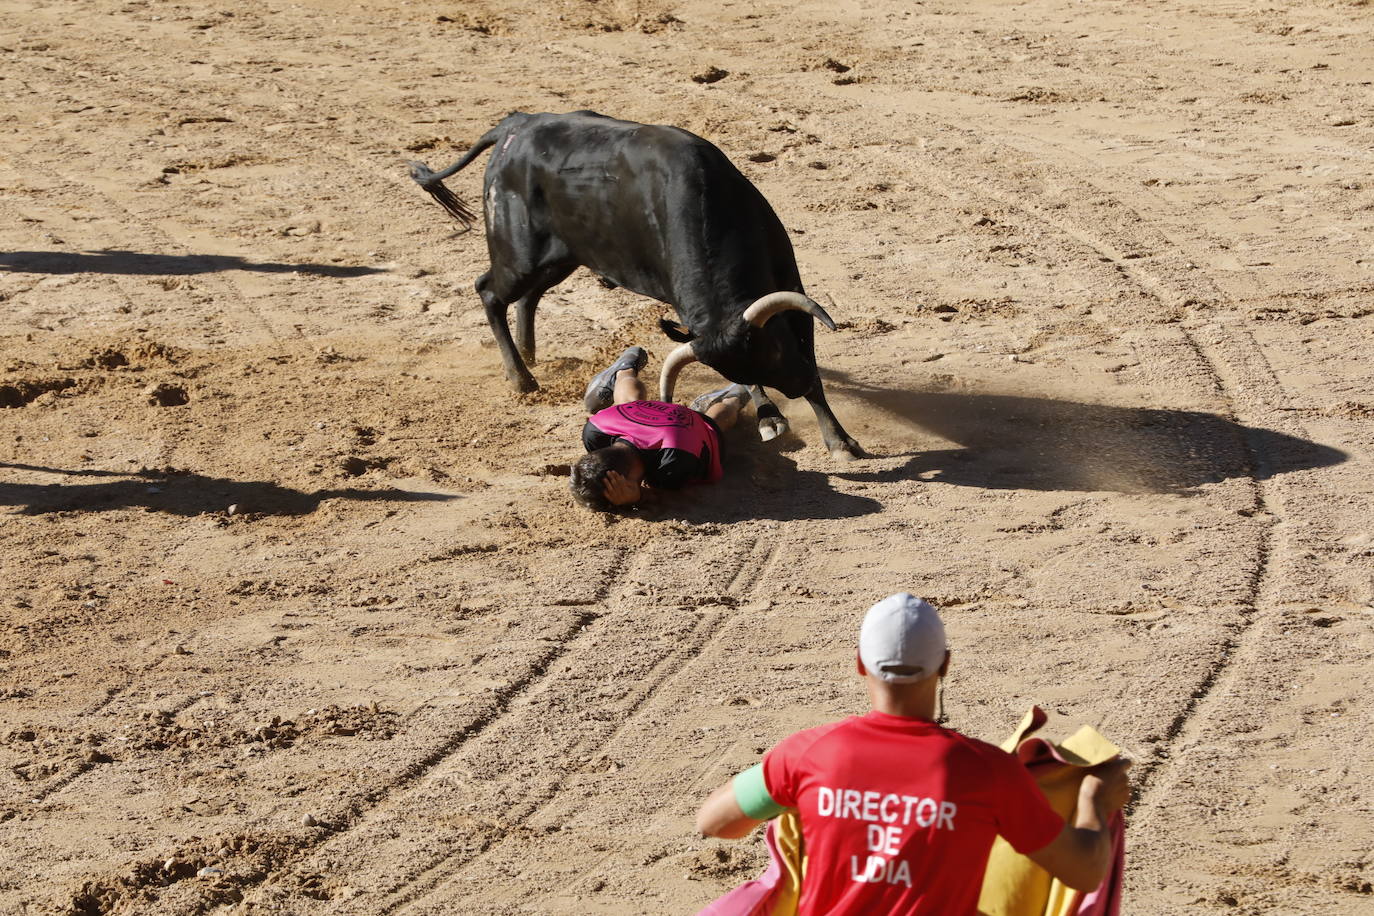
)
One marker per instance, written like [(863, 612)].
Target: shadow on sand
[(761, 482), (135, 263), (1036, 443), (178, 493)]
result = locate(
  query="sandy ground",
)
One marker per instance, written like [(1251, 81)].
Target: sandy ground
[(292, 588)]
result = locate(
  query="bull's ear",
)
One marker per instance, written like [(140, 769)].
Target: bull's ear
[(676, 331)]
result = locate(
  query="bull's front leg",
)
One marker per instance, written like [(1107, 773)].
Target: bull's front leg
[(841, 445), (516, 371), (771, 421)]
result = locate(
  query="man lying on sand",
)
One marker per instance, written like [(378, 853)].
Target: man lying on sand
[(635, 445)]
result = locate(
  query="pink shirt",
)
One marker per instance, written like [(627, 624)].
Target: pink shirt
[(657, 426)]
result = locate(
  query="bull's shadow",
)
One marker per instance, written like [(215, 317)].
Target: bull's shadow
[(178, 493), (763, 483), (1036, 443), (134, 263)]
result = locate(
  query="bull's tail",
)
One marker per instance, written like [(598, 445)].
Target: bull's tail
[(433, 182), (451, 202)]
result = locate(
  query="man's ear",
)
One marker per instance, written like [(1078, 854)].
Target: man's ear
[(859, 665), (944, 665)]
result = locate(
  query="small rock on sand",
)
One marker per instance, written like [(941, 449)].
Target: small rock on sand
[(711, 75)]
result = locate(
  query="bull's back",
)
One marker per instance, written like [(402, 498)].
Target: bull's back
[(656, 209)]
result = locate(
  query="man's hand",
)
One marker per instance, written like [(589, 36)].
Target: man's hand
[(620, 490), (1082, 853), (1107, 787)]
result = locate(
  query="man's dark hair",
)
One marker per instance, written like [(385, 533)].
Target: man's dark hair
[(588, 478)]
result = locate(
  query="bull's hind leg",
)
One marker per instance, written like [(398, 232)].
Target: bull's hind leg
[(771, 421), (543, 280), (841, 445), (516, 371), (524, 324)]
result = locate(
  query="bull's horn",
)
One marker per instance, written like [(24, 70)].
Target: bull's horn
[(765, 308), (671, 367)]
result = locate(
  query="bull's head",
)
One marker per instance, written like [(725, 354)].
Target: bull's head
[(775, 359)]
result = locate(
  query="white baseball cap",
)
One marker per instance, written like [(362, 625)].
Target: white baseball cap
[(902, 631)]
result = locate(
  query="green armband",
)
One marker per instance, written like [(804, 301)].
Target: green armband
[(751, 794)]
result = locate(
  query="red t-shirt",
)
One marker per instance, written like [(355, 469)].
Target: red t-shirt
[(898, 815)]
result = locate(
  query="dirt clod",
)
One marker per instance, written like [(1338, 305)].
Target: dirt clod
[(25, 391), (353, 466), (710, 75), (165, 394)]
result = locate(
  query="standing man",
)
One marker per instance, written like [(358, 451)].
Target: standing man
[(635, 444), (898, 814)]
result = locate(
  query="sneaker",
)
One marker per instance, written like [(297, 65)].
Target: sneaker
[(601, 389), (715, 397)]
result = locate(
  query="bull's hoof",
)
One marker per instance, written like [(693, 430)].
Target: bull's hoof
[(848, 451), (771, 427), (525, 385)]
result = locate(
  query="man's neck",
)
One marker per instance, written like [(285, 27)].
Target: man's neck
[(918, 702), (906, 711)]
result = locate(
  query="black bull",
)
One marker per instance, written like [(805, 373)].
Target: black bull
[(658, 211)]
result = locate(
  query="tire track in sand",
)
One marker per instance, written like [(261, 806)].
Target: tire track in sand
[(341, 825), (437, 879), (1251, 391), (1230, 367)]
